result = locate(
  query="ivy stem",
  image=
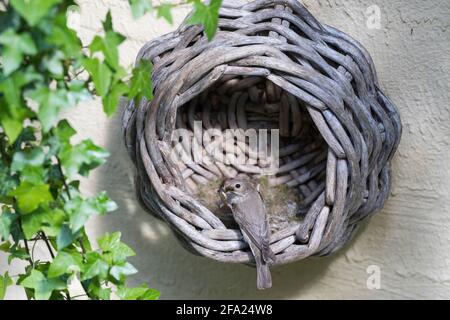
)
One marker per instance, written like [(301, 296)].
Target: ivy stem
[(83, 250), (47, 243), (27, 248), (66, 186)]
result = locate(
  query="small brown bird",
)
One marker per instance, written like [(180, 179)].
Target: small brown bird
[(250, 213)]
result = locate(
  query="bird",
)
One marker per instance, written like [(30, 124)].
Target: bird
[(250, 213)]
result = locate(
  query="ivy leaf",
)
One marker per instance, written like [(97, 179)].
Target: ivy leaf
[(11, 88), (108, 45), (107, 23), (8, 182), (100, 73), (65, 237), (13, 125), (96, 289), (64, 131), (81, 158), (95, 266), (110, 243), (63, 37), (120, 271), (207, 15), (43, 287), (5, 281), (53, 63), (34, 158), (81, 209), (65, 263), (30, 164), (138, 293), (103, 203), (30, 196), (5, 246), (50, 103), (48, 220), (111, 101), (164, 11), (33, 10), (77, 92), (14, 47), (141, 81), (18, 253), (6, 220), (140, 7)]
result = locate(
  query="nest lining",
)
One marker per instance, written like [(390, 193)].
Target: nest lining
[(236, 102)]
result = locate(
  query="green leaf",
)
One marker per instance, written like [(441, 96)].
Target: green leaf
[(29, 163), (81, 158), (121, 271), (103, 203), (5, 281), (8, 182), (14, 47), (100, 73), (164, 11), (111, 101), (65, 263), (53, 63), (6, 220), (107, 23), (94, 267), (11, 88), (50, 103), (80, 209), (34, 157), (110, 243), (138, 293), (43, 287), (5, 246), (33, 10), (48, 220), (96, 289), (108, 45), (207, 15), (17, 253), (13, 125), (64, 131), (140, 7), (29, 196), (65, 237), (63, 37), (141, 81)]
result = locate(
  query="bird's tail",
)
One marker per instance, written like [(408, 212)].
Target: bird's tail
[(263, 276), (267, 253)]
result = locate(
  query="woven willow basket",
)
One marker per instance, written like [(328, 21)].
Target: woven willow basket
[(271, 65)]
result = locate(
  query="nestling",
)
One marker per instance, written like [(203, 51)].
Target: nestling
[(249, 212)]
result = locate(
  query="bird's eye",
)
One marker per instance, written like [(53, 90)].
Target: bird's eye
[(238, 186)]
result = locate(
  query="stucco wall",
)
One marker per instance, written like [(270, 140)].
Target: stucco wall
[(409, 240)]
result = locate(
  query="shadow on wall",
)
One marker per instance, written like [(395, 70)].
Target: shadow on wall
[(164, 264)]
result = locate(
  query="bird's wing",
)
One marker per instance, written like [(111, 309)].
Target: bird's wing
[(251, 217)]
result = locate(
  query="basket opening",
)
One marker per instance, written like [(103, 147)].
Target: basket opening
[(215, 140)]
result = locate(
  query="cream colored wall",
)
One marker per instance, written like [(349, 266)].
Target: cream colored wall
[(409, 240)]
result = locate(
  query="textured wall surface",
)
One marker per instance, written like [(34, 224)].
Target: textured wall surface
[(409, 240)]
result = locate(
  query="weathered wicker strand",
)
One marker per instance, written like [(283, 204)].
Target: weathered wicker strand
[(271, 65)]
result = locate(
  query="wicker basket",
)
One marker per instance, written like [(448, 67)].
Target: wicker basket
[(315, 84)]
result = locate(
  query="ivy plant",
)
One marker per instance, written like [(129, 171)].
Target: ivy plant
[(44, 69)]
